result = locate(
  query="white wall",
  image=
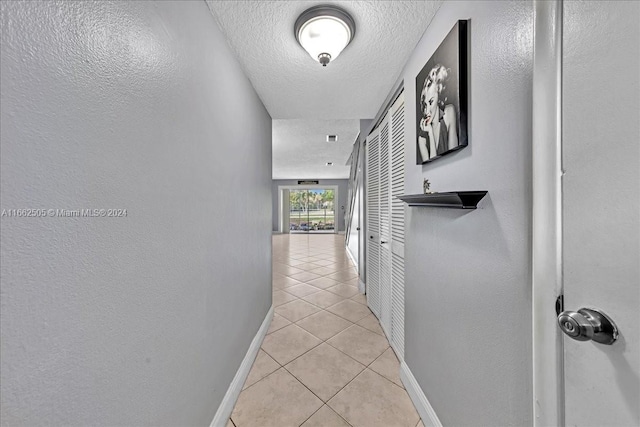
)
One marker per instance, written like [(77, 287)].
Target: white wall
[(141, 320), (468, 273)]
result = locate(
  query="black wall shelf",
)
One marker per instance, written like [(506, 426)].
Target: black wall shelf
[(453, 199)]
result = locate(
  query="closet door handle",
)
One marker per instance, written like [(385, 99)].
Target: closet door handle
[(383, 242)]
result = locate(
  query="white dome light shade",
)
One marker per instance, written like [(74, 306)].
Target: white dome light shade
[(324, 34), (324, 31)]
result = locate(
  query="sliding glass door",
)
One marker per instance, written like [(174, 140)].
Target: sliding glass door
[(312, 211)]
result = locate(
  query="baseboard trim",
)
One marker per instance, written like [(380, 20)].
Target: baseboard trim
[(229, 401), (425, 410)]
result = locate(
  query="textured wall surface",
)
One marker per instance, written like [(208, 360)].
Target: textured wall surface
[(343, 186), (468, 303), (143, 319)]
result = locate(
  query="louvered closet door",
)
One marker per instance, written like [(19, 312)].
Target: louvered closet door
[(385, 224), (397, 226), (385, 227), (373, 222)]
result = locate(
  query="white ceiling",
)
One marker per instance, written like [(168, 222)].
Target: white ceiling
[(300, 150), (294, 86)]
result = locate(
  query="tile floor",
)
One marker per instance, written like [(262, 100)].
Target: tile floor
[(325, 360)]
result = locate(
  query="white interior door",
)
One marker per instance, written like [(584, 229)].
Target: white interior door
[(373, 222), (385, 220), (601, 206), (397, 225), (385, 227)]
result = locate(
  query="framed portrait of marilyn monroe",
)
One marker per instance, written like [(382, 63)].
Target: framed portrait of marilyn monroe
[(441, 98)]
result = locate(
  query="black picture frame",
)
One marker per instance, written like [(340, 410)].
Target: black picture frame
[(441, 98)]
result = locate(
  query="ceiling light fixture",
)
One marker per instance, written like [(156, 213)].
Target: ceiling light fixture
[(329, 163), (324, 31)]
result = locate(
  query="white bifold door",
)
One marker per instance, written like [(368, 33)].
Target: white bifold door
[(385, 224)]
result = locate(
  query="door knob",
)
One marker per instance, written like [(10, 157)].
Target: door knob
[(588, 324)]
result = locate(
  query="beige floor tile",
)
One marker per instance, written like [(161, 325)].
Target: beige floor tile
[(323, 282), (324, 261), (325, 417), (371, 323), (352, 282), (285, 282), (302, 290), (278, 322), (262, 366), (296, 310), (372, 400), (288, 343), (322, 271), (308, 266), (343, 290), (323, 299), (340, 267), (293, 262), (230, 424), (388, 366), (304, 276), (359, 343), (333, 268), (292, 271), (277, 400), (420, 424), (359, 298), (280, 268), (321, 261), (286, 269), (324, 370), (282, 297), (324, 254), (344, 275), (349, 310), (323, 324)]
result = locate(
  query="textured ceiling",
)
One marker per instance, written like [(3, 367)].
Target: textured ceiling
[(300, 149), (294, 86)]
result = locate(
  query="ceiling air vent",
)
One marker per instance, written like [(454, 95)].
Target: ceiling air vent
[(332, 138)]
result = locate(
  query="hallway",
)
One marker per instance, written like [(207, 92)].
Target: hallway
[(325, 360)]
